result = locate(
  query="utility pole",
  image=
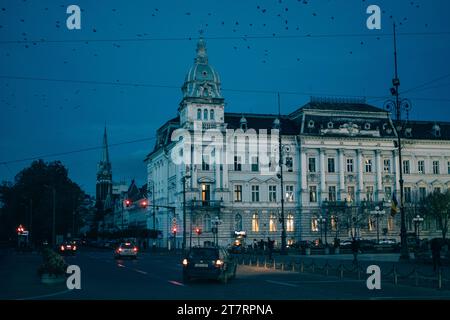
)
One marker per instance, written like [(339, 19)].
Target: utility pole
[(54, 217), (396, 82), (280, 151)]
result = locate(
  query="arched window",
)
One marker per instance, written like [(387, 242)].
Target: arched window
[(211, 114), (199, 114), (255, 222), (207, 223), (205, 114), (238, 222), (290, 223), (273, 223)]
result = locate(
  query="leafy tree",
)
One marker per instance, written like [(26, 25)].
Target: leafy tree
[(437, 205), (29, 201)]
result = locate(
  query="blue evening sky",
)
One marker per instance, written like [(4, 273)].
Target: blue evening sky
[(39, 117)]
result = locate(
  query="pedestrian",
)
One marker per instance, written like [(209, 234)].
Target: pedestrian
[(270, 244), (436, 253)]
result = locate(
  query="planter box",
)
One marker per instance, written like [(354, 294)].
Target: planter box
[(52, 279)]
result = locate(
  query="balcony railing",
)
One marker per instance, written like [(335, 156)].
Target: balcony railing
[(205, 203)]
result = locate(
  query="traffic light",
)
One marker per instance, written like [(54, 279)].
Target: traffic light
[(174, 230), (144, 203), (198, 231), (20, 229), (127, 203)]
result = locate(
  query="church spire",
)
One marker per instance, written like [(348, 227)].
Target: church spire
[(105, 153)]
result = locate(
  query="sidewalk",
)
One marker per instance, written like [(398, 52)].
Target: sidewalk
[(410, 272), (19, 279)]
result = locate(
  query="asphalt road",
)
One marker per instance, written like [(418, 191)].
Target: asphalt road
[(156, 276)]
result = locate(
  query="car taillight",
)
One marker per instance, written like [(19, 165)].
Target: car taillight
[(74, 248), (119, 250), (62, 248), (185, 262), (135, 249), (219, 263)]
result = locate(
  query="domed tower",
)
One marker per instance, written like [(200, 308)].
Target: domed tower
[(202, 99)]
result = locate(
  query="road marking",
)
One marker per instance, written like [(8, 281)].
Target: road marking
[(140, 271), (45, 295), (282, 283), (121, 265), (176, 283)]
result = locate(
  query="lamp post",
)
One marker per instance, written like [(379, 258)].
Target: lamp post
[(183, 180), (323, 222), (397, 105), (280, 176), (378, 213), (417, 221)]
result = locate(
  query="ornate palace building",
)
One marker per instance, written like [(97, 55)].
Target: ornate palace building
[(340, 163)]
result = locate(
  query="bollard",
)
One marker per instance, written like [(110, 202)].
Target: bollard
[(341, 271), (293, 266), (274, 264), (416, 278), (302, 267), (439, 278), (395, 276), (282, 266)]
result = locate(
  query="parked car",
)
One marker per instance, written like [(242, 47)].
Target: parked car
[(67, 247), (209, 263), (126, 250)]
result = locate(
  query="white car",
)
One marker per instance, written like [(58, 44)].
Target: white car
[(126, 249)]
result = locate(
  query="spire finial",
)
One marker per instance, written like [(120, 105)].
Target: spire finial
[(202, 56)]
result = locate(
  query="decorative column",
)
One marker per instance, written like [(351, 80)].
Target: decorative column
[(397, 173), (341, 175), (379, 178), (303, 170), (360, 174), (322, 173)]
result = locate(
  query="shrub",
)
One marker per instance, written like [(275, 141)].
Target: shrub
[(53, 263)]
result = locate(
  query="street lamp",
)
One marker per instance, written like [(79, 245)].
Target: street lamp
[(417, 221), (398, 105), (183, 180), (378, 213), (323, 222)]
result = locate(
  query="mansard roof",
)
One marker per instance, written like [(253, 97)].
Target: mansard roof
[(262, 121)]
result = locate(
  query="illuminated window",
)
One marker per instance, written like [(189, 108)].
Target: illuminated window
[(290, 223), (314, 224), (334, 222), (289, 193), (273, 223), (238, 193), (255, 222), (391, 223)]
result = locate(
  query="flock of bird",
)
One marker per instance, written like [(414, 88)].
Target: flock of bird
[(237, 28)]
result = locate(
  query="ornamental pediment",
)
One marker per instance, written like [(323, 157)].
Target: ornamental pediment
[(351, 129)]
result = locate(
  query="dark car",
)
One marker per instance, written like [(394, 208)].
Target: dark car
[(67, 247), (209, 263)]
